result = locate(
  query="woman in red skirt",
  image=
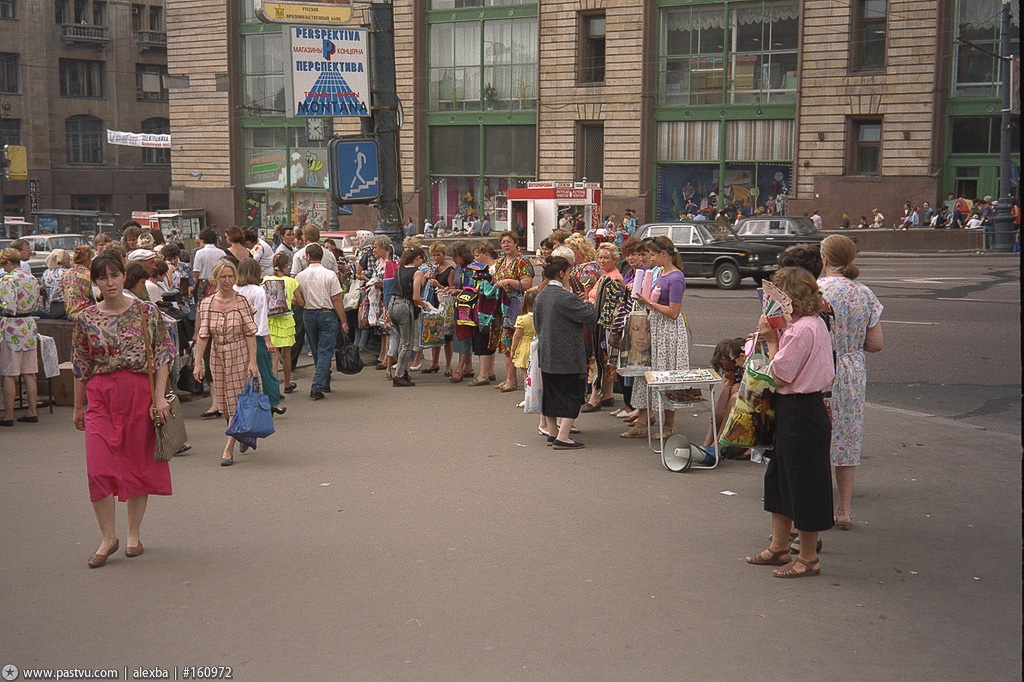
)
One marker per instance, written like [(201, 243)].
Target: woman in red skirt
[(111, 372)]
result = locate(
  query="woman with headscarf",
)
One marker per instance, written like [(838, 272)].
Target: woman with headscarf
[(57, 263)]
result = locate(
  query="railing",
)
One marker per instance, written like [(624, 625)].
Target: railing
[(84, 34), (148, 40)]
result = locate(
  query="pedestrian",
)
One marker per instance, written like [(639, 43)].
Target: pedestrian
[(856, 330), (404, 309), (321, 292), (262, 252), (57, 263), (226, 324), (282, 327), (798, 479), (248, 284), (20, 295), (113, 372), (560, 319)]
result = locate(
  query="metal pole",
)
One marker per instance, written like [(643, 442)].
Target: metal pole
[(385, 118), (1003, 238)]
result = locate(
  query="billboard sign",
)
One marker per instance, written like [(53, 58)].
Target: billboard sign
[(329, 72), (354, 170), (309, 12)]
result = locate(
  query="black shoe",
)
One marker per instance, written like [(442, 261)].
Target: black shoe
[(29, 420), (587, 407), (278, 410), (401, 382), (212, 414), (566, 445), (326, 389), (316, 395), (6, 422)]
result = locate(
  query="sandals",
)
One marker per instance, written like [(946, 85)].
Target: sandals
[(634, 432), (455, 377), (480, 382), (780, 558), (789, 570), (508, 389)]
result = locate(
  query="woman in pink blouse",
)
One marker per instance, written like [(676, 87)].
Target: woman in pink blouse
[(111, 370)]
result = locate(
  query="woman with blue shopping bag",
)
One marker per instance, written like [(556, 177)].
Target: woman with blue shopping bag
[(253, 418)]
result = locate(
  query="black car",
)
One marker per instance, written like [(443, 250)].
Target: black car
[(782, 230), (712, 249)]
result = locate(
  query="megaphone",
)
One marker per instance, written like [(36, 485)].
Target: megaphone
[(678, 455)]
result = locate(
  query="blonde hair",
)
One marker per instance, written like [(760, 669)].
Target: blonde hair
[(839, 252), (438, 247), (583, 245), (9, 255), (612, 250), (219, 266), (802, 289)]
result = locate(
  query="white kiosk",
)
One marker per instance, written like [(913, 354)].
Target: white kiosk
[(534, 210)]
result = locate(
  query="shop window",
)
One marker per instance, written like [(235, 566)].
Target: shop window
[(591, 58), (81, 78), (510, 150), (866, 149), (156, 126), (763, 52), (84, 136), (463, 4), (454, 150), (590, 152), (692, 62), (976, 44), (8, 9), (157, 202), (9, 72), (91, 202), (868, 35), (981, 134)]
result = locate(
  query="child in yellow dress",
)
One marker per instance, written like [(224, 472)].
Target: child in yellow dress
[(523, 335)]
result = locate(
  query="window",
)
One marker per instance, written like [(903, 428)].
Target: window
[(977, 71), (981, 134), (763, 52), (10, 131), (8, 9), (455, 150), (692, 60), (459, 4), (263, 66), (490, 65), (90, 202), (79, 11), (590, 152), (149, 82), (84, 139), (99, 14), (9, 72), (137, 11), (156, 18), (60, 11), (510, 150), (867, 146), (591, 57), (868, 49), (156, 126), (81, 78), (157, 202)]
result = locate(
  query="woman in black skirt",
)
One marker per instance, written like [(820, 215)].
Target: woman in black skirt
[(560, 318), (798, 480)]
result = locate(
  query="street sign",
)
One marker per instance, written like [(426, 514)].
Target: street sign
[(354, 171)]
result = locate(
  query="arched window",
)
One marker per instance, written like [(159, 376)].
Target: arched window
[(84, 139), (156, 126)]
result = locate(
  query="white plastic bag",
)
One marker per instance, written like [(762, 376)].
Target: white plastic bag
[(534, 383)]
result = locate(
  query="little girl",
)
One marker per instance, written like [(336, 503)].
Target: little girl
[(523, 335), (282, 327)]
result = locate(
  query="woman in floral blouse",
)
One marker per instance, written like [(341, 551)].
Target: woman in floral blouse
[(19, 300), (514, 275), (111, 370), (76, 283)]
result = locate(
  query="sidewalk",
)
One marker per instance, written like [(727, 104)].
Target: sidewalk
[(427, 534)]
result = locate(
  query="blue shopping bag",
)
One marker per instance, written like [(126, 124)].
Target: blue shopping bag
[(253, 418)]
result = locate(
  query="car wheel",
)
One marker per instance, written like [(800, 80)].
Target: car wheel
[(727, 276)]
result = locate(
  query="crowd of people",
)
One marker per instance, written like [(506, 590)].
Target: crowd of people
[(592, 316)]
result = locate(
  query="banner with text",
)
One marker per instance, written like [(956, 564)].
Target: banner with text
[(138, 139), (329, 71)]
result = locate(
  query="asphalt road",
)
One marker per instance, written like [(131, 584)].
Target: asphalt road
[(952, 334), (427, 534)]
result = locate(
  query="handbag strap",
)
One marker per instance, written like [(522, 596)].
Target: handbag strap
[(149, 365)]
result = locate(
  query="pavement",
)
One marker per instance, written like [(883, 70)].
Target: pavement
[(427, 534)]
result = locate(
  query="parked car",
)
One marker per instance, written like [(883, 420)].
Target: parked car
[(43, 244), (712, 249), (782, 230)]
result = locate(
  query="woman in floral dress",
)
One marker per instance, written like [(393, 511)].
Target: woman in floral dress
[(226, 323), (19, 300), (856, 330), (76, 282), (513, 275), (111, 369)]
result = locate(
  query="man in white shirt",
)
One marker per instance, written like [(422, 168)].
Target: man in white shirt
[(324, 309), (205, 258), (287, 246), (816, 219), (262, 252), (312, 234)]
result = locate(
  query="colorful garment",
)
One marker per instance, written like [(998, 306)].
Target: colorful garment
[(19, 298), (282, 327), (856, 308), (517, 268), (77, 286), (229, 351), (522, 356), (105, 343), (52, 284), (586, 276)]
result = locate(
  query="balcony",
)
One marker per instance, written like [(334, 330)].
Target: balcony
[(83, 35), (150, 40)]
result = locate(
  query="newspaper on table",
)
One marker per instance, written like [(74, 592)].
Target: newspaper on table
[(692, 376)]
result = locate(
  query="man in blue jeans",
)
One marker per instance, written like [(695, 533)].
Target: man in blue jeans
[(324, 310)]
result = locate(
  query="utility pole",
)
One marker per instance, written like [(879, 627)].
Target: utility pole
[(385, 118), (1003, 238)]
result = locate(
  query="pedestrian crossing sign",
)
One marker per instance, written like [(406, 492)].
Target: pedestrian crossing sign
[(354, 170)]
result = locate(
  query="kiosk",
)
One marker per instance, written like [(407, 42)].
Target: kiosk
[(534, 211)]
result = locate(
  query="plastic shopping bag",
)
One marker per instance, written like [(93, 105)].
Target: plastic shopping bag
[(751, 422), (253, 418), (534, 383)]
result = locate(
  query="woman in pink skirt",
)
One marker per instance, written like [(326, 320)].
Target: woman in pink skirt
[(112, 372)]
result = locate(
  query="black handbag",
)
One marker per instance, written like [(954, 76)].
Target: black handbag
[(346, 355)]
